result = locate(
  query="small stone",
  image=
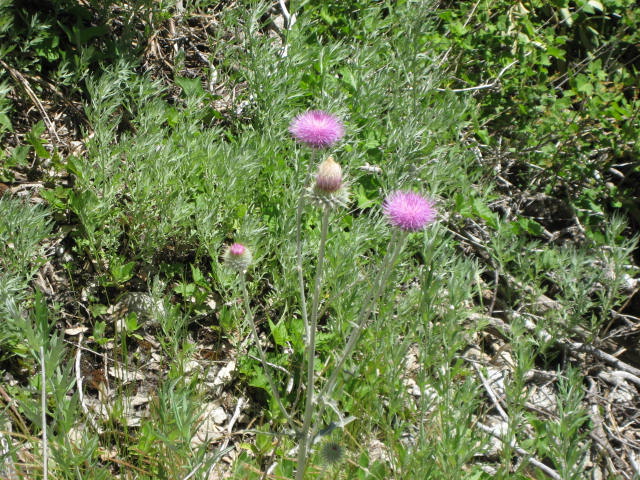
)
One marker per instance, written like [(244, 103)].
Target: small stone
[(500, 429), (412, 387), (224, 375), (140, 303), (378, 451), (596, 473), (623, 393), (192, 366), (629, 284), (208, 430), (543, 397), (219, 416)]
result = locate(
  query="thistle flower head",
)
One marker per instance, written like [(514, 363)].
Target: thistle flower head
[(329, 189), (316, 129), (409, 211), (329, 177), (331, 453), (237, 257)]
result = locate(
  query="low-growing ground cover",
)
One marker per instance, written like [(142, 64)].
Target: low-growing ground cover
[(141, 139)]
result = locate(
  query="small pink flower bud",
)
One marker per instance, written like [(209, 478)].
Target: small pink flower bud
[(237, 257), (329, 190), (237, 249)]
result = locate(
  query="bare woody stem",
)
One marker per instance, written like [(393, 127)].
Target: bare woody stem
[(305, 437), (263, 359)]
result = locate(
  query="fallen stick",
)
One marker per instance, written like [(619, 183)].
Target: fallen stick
[(632, 373), (19, 78), (537, 463)]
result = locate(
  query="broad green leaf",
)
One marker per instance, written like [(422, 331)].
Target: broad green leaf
[(279, 332), (483, 211), (192, 87), (121, 272), (5, 123)]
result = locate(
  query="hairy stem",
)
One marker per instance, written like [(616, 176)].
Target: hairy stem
[(43, 399), (305, 438), (299, 260), (377, 288)]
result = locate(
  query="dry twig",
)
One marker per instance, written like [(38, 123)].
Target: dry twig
[(537, 463), (599, 436), (22, 81), (494, 84), (491, 393), (14, 412)]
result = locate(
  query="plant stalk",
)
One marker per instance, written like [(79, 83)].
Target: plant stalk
[(395, 246), (305, 437), (43, 399), (299, 260)]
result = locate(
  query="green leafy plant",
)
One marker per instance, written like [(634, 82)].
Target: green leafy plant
[(155, 361), (554, 81)]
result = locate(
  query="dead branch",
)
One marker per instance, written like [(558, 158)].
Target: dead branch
[(22, 81), (537, 463)]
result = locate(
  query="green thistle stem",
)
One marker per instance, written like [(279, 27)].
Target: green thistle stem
[(299, 259), (305, 438), (299, 264), (395, 246)]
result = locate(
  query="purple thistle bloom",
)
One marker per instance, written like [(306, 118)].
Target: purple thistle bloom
[(317, 129), (237, 249), (237, 257), (409, 211)]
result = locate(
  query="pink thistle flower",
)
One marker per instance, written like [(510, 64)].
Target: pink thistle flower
[(316, 129), (237, 257), (409, 211), (237, 249)]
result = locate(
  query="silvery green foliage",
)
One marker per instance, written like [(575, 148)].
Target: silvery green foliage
[(23, 226)]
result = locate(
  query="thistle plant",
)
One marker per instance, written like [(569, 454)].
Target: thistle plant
[(315, 129), (405, 211), (237, 257)]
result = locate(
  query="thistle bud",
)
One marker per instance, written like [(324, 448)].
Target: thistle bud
[(329, 178), (331, 453), (237, 257), (329, 189)]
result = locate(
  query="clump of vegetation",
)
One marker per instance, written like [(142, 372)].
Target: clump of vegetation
[(556, 85), (146, 145)]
